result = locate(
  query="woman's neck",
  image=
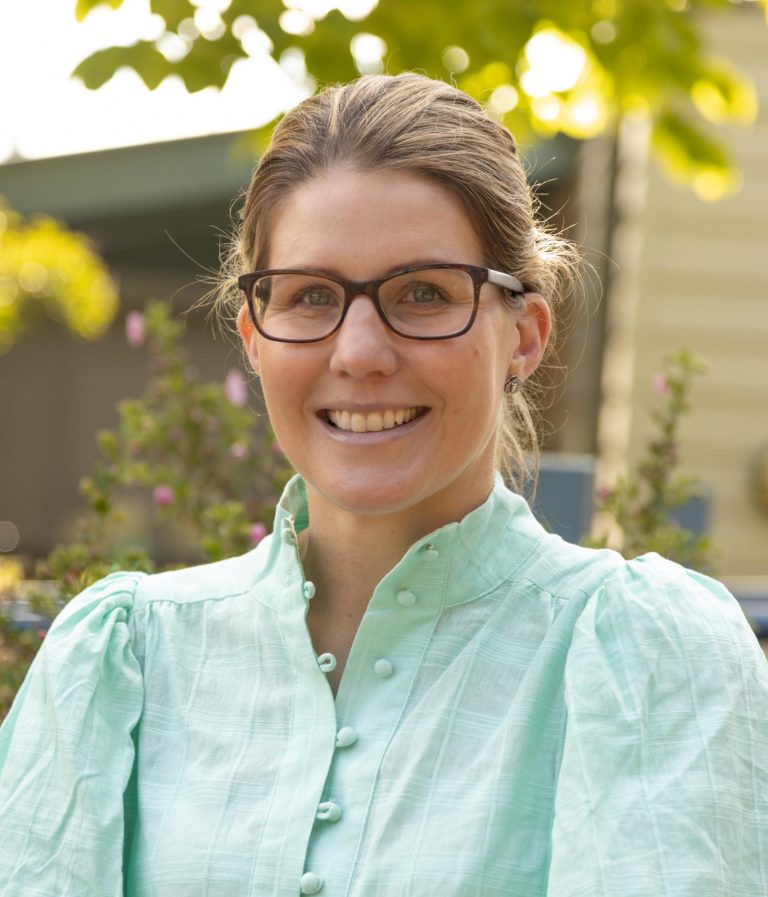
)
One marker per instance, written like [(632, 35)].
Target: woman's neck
[(347, 557)]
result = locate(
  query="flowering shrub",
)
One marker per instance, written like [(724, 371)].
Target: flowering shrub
[(642, 507), (208, 463)]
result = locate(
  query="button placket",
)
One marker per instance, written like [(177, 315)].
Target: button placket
[(385, 657)]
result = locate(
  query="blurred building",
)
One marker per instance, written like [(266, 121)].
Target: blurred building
[(158, 214), (694, 275)]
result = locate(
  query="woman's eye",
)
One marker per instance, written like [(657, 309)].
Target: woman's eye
[(317, 298), (422, 293)]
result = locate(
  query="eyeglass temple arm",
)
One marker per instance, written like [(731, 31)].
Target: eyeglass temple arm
[(506, 281)]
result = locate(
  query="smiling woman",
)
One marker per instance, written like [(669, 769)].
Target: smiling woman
[(440, 363), (409, 687)]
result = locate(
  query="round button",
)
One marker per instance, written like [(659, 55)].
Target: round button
[(346, 736), (326, 662), (309, 590), (382, 668), (431, 551), (329, 811), (406, 598), (311, 883)]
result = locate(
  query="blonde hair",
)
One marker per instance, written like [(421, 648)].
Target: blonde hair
[(412, 123)]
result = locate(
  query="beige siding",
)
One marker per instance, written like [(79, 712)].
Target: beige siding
[(702, 284)]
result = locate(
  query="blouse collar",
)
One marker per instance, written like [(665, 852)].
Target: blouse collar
[(456, 562)]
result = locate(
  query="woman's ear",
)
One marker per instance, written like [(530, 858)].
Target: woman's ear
[(248, 335), (534, 325)]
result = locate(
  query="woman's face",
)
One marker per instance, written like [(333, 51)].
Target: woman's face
[(362, 225)]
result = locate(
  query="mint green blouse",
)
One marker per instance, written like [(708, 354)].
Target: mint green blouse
[(518, 717)]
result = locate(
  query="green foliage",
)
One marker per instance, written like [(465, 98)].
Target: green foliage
[(212, 470), (642, 506), (614, 57), (47, 269), (83, 7)]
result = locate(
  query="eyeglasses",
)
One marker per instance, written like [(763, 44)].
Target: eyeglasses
[(422, 302)]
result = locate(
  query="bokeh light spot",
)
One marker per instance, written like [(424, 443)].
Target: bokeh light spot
[(455, 59), (9, 535), (603, 32), (556, 61), (296, 21), (546, 108), (503, 99), (368, 51)]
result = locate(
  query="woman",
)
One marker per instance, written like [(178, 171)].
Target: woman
[(410, 688)]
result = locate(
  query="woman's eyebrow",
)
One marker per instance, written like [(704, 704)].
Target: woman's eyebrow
[(395, 269)]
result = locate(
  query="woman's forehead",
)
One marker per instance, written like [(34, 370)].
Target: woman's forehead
[(392, 217)]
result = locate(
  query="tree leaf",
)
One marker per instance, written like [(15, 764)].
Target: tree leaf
[(208, 62), (83, 7), (686, 147), (173, 11), (143, 57)]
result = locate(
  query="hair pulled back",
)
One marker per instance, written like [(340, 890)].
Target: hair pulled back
[(411, 123)]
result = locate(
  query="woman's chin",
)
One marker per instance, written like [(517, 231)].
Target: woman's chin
[(366, 494)]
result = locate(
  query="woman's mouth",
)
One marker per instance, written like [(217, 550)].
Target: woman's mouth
[(374, 421)]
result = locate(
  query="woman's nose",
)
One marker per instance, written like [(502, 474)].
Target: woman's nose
[(363, 344)]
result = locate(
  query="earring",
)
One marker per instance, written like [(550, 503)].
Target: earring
[(512, 384)]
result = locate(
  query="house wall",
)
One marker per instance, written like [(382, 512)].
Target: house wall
[(696, 277)]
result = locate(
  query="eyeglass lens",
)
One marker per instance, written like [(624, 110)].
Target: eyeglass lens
[(428, 302)]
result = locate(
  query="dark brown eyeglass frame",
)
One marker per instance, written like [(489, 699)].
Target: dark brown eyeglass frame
[(370, 288)]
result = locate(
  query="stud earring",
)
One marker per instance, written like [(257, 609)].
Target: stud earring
[(512, 384)]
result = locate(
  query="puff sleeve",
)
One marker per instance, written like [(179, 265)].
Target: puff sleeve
[(663, 784), (66, 752)]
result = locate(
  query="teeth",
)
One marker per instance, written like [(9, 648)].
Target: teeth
[(373, 422)]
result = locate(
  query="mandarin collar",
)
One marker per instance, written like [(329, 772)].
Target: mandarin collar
[(473, 555)]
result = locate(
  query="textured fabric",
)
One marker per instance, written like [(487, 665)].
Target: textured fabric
[(518, 716)]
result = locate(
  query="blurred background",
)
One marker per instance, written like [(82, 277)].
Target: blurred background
[(644, 126)]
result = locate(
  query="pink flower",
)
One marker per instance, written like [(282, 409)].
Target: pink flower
[(602, 493), (135, 329), (163, 495), (660, 384), (258, 531), (235, 388), (238, 450)]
